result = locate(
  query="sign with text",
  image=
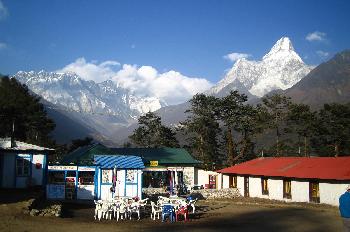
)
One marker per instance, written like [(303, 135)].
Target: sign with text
[(153, 163), (62, 168)]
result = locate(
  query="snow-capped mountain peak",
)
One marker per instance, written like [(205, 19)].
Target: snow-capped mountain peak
[(70, 92), (280, 68)]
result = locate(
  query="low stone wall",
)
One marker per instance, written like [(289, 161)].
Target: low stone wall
[(39, 206), (216, 193), (153, 191), (52, 210)]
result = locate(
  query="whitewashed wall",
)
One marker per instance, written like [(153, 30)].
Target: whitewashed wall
[(330, 193), (240, 184), (275, 189), (225, 181), (189, 176), (203, 177), (299, 191)]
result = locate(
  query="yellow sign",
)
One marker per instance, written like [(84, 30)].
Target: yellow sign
[(153, 163)]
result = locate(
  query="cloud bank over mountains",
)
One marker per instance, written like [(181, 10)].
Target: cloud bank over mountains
[(171, 86)]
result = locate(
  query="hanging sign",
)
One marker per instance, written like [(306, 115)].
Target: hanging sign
[(153, 163)]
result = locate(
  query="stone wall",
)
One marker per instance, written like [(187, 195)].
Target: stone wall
[(216, 193)]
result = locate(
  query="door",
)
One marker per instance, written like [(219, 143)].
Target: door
[(246, 186), (212, 182), (70, 190), (314, 192)]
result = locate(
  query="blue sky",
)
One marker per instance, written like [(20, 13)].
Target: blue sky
[(189, 37)]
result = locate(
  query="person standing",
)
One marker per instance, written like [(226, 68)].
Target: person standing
[(344, 208)]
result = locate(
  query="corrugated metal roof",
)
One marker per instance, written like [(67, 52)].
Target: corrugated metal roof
[(328, 168), (85, 155), (119, 161), (5, 144), (166, 155)]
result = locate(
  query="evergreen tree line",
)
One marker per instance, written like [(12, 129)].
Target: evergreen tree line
[(224, 131), (22, 116)]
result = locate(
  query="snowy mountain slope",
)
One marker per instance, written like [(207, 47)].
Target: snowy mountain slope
[(281, 68), (70, 92)]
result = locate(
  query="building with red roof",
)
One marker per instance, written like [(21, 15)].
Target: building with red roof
[(298, 179)]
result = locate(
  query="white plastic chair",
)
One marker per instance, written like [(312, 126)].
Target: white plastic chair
[(156, 210)]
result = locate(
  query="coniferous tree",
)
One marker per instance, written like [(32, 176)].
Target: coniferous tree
[(230, 111), (302, 120), (151, 133), (277, 107), (203, 128), (333, 130), (22, 115)]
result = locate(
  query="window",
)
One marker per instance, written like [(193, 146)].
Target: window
[(56, 177), (22, 166), (86, 177), (287, 189), (314, 192), (233, 182), (264, 186), (130, 176), (107, 176)]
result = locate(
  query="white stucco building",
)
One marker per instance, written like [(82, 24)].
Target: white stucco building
[(296, 179), (22, 165)]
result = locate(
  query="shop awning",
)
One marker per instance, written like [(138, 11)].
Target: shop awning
[(119, 161)]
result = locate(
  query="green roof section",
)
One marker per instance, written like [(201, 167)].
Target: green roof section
[(85, 155), (164, 156)]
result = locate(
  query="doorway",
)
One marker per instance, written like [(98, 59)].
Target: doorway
[(246, 186), (70, 189)]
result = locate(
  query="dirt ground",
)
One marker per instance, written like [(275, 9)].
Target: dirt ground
[(213, 215)]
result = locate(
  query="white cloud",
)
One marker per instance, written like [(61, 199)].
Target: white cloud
[(92, 70), (236, 56), (316, 36), (322, 54), (3, 46), (3, 11), (171, 86)]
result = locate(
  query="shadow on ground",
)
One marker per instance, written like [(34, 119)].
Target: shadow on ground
[(8, 196)]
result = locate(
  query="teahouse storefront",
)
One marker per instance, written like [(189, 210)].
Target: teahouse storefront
[(169, 168), (112, 175)]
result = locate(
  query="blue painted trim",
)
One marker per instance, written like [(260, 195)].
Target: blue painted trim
[(141, 180), (64, 193), (15, 172), (31, 166), (137, 183), (95, 183), (124, 183), (76, 183), (100, 174), (44, 172)]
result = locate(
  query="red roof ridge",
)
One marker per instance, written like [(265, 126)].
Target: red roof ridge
[(332, 168)]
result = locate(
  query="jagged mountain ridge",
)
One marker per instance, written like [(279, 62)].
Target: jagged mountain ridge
[(281, 68), (70, 92)]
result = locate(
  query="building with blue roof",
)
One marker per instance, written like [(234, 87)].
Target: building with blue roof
[(95, 173)]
